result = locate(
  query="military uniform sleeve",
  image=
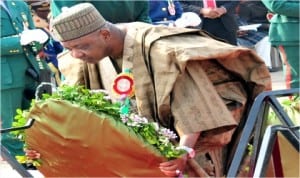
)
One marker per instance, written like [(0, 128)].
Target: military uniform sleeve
[(11, 45), (288, 8)]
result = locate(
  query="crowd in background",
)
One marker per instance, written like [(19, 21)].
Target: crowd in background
[(223, 24), (171, 12)]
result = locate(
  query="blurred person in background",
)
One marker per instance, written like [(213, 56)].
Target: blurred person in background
[(41, 15), (284, 34), (253, 31), (170, 13), (217, 17), (20, 70), (164, 12), (115, 11), (252, 12)]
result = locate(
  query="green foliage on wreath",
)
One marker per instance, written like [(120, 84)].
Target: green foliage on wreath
[(150, 132)]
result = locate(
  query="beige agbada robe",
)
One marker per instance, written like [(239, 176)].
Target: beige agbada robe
[(183, 74)]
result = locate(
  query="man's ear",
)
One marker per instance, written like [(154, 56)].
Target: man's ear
[(105, 33)]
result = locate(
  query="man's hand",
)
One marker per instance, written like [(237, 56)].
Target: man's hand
[(32, 154), (213, 13), (175, 167), (209, 13), (221, 11), (37, 35)]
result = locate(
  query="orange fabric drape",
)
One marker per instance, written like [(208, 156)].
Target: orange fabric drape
[(74, 141)]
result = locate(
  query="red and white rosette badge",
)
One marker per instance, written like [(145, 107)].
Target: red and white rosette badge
[(123, 85)]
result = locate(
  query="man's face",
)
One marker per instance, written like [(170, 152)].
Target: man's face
[(90, 48)]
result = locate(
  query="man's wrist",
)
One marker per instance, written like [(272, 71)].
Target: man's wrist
[(190, 151)]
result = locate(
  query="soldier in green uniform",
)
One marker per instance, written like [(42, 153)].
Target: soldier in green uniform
[(284, 34), (113, 10), (18, 36)]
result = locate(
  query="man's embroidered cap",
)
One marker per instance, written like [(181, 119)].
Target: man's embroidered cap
[(76, 21)]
